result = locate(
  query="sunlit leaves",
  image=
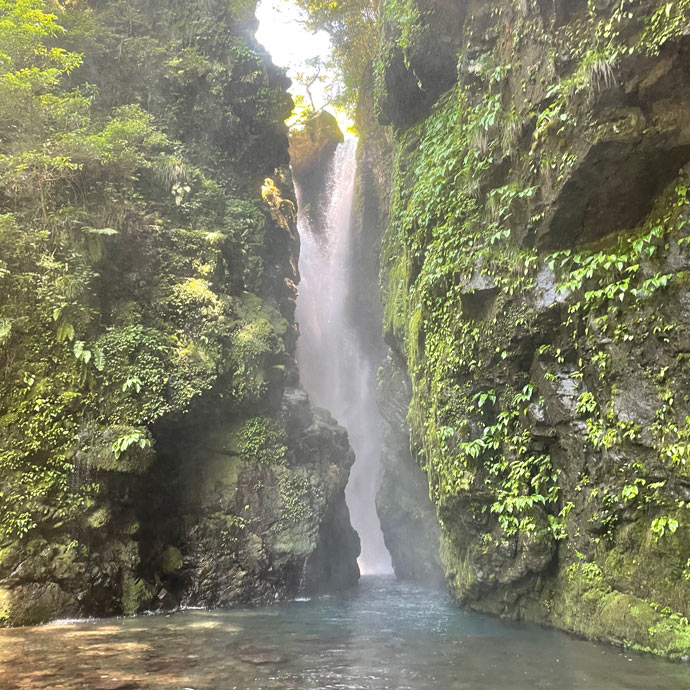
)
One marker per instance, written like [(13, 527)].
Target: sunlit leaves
[(133, 437), (352, 28)]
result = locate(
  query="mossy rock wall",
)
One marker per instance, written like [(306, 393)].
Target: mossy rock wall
[(407, 516), (535, 282), (148, 270)]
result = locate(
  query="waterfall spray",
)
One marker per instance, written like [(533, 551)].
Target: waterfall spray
[(335, 368)]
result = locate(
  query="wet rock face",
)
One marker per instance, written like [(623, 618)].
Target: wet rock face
[(419, 60), (534, 276), (311, 153), (408, 518), (641, 140), (257, 534), (313, 146)]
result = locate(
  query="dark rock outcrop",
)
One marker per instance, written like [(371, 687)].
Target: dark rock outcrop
[(257, 534), (312, 147), (311, 152), (417, 58), (408, 517)]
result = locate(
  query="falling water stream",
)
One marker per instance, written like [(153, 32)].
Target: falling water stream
[(334, 367)]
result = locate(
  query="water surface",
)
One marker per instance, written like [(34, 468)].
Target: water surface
[(384, 635)]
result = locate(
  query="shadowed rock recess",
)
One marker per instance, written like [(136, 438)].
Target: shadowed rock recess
[(156, 447), (534, 272)]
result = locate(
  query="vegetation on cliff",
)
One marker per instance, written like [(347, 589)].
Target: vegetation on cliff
[(146, 300), (548, 405), (156, 447), (534, 275), (352, 28)]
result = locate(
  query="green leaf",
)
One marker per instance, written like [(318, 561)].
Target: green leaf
[(65, 332)]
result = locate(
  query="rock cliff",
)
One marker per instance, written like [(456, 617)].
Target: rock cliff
[(407, 516), (535, 282), (156, 448)]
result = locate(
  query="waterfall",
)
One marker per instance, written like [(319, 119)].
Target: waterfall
[(335, 369)]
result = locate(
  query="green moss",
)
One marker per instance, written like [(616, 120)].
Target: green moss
[(670, 637), (120, 448), (65, 563), (652, 567), (171, 560), (256, 339), (296, 496), (5, 605), (222, 472), (7, 553), (262, 440), (506, 340), (132, 528), (99, 518), (136, 594), (124, 307), (593, 609)]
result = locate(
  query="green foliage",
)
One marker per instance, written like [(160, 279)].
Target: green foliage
[(669, 21), (133, 437), (134, 137), (441, 233), (471, 188), (629, 492), (439, 221), (262, 440), (351, 25), (296, 496), (255, 341), (134, 383), (627, 274), (405, 15), (663, 525)]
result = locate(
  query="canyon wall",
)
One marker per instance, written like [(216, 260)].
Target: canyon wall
[(156, 447), (534, 273), (407, 515)]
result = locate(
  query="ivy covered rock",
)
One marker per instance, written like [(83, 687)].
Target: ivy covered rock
[(535, 276), (148, 263)]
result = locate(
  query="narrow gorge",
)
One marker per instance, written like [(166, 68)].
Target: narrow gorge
[(393, 395)]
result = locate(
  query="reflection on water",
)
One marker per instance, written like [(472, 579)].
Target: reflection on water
[(384, 635)]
